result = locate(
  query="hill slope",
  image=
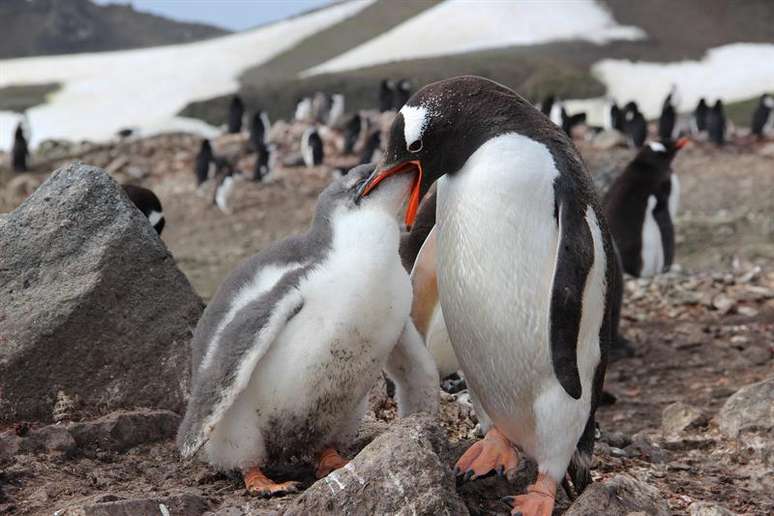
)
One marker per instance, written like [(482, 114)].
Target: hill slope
[(46, 27)]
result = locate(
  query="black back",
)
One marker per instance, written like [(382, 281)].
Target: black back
[(236, 111), (263, 154), (316, 144), (636, 128), (760, 116), (386, 93), (716, 123), (257, 130), (352, 133), (20, 151), (402, 94), (666, 122), (700, 115), (616, 118), (547, 104), (203, 160), (570, 121), (373, 143), (146, 201)]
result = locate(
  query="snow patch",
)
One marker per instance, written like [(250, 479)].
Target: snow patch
[(143, 89), (458, 26)]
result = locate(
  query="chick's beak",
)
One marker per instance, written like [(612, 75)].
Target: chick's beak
[(406, 166), (682, 142)]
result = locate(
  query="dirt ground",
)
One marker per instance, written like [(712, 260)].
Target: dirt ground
[(686, 349)]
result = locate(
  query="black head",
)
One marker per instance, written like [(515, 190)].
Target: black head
[(702, 103), (718, 106), (657, 156), (205, 147), (445, 122), (19, 134)]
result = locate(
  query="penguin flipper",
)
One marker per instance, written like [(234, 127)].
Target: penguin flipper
[(574, 259), (225, 374)]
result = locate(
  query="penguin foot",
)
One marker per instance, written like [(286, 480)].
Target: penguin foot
[(330, 460), (539, 500), (493, 453), (258, 484)]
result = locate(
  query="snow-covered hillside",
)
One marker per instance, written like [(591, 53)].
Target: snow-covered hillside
[(457, 26), (104, 92)]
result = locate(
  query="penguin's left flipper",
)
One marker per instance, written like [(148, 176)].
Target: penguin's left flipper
[(226, 370), (413, 370), (574, 259)]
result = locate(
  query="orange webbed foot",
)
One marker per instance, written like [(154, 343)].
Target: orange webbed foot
[(258, 484), (539, 500), (494, 453), (329, 460)]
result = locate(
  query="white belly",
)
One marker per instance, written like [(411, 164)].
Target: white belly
[(652, 252), (497, 246)]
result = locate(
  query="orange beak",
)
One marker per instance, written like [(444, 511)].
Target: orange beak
[(682, 142), (406, 166)]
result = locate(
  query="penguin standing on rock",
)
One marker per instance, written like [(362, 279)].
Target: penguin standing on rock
[(640, 206), (716, 123), (20, 151), (761, 115), (236, 111), (279, 371), (147, 202), (263, 156), (523, 262), (224, 185), (204, 160), (614, 118), (312, 147), (668, 118), (635, 125), (259, 129)]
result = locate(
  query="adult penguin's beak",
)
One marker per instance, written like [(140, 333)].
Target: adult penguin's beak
[(381, 174)]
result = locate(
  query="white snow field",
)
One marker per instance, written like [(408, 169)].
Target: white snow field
[(458, 26), (143, 89), (731, 72)]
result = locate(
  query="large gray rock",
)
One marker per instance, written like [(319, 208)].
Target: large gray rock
[(92, 306), (619, 495), (399, 472), (751, 409)]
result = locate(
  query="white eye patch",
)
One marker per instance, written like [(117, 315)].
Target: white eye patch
[(656, 147), (415, 120)]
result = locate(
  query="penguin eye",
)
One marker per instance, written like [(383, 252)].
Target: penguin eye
[(415, 146)]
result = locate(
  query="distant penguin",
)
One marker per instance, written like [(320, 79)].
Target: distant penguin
[(236, 111), (547, 105), (20, 152), (386, 92), (147, 202), (372, 150), (336, 111), (402, 94), (224, 185), (555, 114), (640, 206), (312, 147), (668, 118), (614, 117), (716, 123), (699, 121), (321, 107), (761, 115), (204, 161), (262, 161), (352, 133), (635, 126), (288, 348), (303, 109), (571, 121), (259, 129)]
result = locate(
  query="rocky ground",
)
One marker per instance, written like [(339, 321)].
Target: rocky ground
[(685, 435)]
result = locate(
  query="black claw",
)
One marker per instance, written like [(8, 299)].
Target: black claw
[(468, 475), (507, 499)]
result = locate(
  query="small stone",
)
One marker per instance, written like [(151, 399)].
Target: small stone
[(621, 494), (679, 417), (747, 311), (723, 303), (757, 355), (617, 439), (751, 409)]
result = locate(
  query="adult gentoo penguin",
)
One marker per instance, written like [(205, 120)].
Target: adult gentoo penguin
[(259, 129), (204, 160), (716, 123), (700, 117), (279, 371), (147, 202), (236, 110), (761, 115), (640, 206), (523, 260), (668, 119), (635, 125), (20, 151)]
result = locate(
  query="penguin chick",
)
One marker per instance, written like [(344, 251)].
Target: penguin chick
[(279, 370)]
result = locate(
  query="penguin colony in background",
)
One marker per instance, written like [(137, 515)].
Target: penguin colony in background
[(312, 147), (280, 371), (393, 94)]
